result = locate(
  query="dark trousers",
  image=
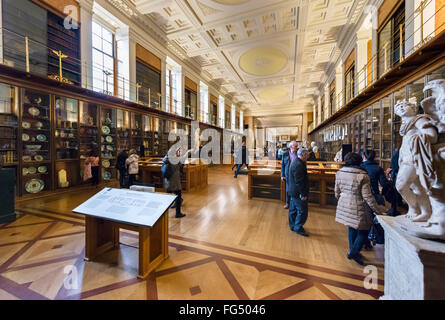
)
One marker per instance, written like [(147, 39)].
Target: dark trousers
[(95, 174), (357, 238), (178, 201), (131, 179), (122, 178), (238, 168), (298, 212)]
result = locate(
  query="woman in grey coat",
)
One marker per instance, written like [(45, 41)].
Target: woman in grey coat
[(355, 202), (173, 183)]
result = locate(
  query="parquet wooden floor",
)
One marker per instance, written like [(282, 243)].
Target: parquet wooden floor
[(226, 248)]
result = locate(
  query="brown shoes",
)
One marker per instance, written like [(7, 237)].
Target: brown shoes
[(286, 206)]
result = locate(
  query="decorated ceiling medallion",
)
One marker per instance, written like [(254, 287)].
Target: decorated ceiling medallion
[(263, 61), (273, 94), (231, 2)]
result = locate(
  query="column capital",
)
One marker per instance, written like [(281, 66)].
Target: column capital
[(86, 4)]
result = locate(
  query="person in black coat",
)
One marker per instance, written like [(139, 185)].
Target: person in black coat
[(286, 161), (392, 195), (376, 175), (244, 160), (122, 167), (299, 193)]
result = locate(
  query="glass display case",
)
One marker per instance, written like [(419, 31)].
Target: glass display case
[(66, 134), (359, 132), (8, 125), (214, 113), (368, 128), (36, 142), (9, 128), (108, 139), (123, 130), (415, 91), (396, 120), (136, 134), (386, 132), (165, 144), (88, 131), (157, 132), (376, 129), (66, 142), (191, 103), (148, 136)]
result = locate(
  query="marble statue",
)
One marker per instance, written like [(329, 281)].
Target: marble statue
[(421, 176)]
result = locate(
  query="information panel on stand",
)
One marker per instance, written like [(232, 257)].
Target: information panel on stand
[(123, 205)]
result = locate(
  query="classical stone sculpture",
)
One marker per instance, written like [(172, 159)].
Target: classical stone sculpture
[(421, 176)]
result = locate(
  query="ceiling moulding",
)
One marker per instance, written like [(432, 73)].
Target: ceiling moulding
[(154, 32)]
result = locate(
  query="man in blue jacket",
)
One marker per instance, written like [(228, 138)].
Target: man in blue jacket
[(286, 161), (299, 193)]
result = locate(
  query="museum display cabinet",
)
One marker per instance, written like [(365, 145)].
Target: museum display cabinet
[(36, 141), (45, 137), (137, 134), (265, 181), (375, 125), (123, 130), (109, 143), (66, 138), (322, 182), (194, 177), (9, 129)]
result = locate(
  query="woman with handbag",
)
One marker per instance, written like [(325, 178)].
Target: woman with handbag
[(355, 202)]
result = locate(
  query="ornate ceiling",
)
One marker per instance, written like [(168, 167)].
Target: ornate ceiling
[(270, 55)]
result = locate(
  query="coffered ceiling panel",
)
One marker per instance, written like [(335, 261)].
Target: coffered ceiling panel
[(264, 53)]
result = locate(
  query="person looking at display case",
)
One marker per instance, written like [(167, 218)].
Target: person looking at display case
[(355, 200), (93, 160), (288, 156), (133, 166), (298, 191), (122, 167), (172, 175)]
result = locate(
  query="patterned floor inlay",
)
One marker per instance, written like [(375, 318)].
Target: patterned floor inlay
[(42, 257)]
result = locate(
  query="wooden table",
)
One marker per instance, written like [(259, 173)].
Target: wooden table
[(102, 226)]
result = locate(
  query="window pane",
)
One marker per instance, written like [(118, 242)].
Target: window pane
[(107, 47), (97, 59), (97, 42), (98, 80), (108, 63), (107, 35), (97, 29)]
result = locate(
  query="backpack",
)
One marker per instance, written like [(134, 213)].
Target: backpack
[(167, 170)]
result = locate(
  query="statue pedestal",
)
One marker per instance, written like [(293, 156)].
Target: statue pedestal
[(414, 267)]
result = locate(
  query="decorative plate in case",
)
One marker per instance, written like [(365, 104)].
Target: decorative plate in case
[(106, 130), (34, 186)]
